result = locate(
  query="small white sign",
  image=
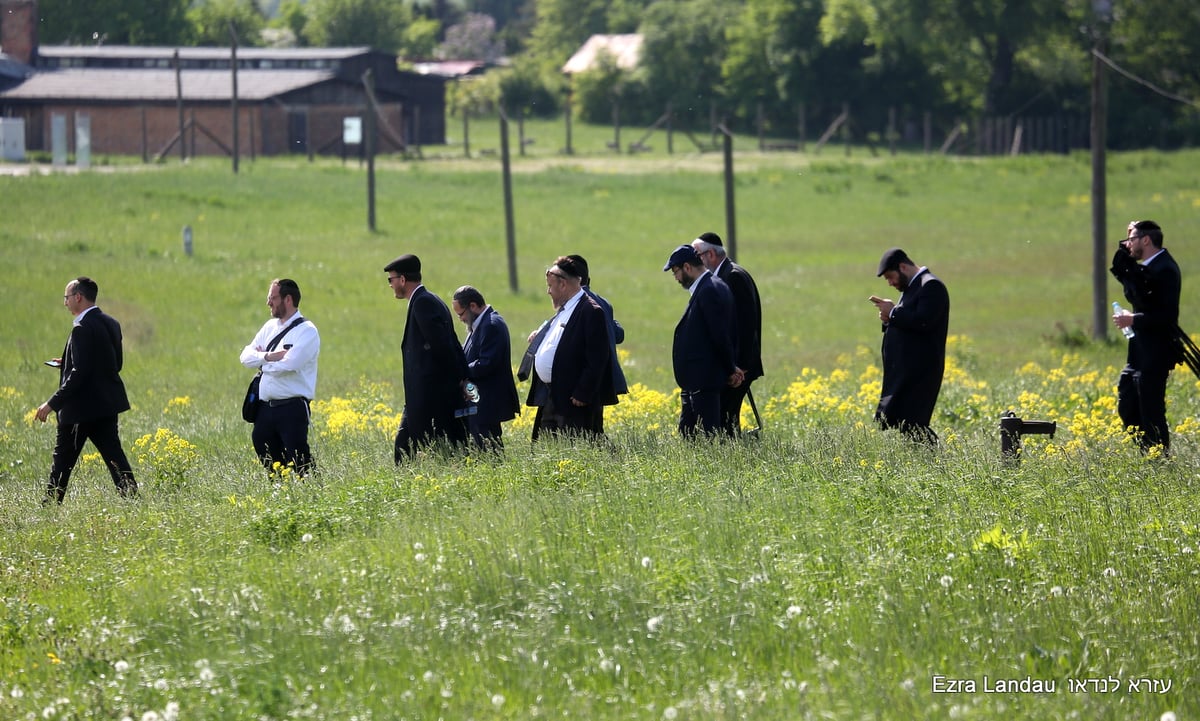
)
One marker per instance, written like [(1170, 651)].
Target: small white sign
[(352, 131)]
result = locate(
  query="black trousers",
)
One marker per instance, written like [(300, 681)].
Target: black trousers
[(731, 408), (700, 408), (573, 420), (280, 435), (68, 445), (1142, 405), (419, 429), (486, 436)]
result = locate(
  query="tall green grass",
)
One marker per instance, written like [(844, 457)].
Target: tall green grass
[(824, 572)]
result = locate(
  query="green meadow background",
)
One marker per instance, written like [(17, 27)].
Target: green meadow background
[(826, 571)]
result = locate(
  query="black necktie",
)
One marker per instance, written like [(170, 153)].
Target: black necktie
[(531, 352)]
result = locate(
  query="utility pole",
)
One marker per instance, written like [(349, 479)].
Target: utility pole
[(1099, 139), (233, 64)]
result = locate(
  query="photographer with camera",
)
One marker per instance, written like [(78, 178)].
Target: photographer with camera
[(1151, 281)]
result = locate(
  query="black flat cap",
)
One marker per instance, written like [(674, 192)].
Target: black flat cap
[(891, 260), (407, 263)]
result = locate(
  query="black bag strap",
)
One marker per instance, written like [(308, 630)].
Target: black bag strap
[(275, 341)]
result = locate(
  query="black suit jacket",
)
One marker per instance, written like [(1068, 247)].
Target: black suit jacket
[(488, 353), (581, 361), (616, 334), (703, 351), (90, 385), (747, 310), (434, 365), (914, 352), (1153, 290)]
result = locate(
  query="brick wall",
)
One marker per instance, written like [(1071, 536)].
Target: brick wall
[(147, 130), (18, 29)]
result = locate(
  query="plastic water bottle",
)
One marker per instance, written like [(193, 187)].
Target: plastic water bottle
[(1118, 310), (472, 392)]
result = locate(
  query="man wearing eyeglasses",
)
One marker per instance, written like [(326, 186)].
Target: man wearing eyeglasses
[(1151, 282), (488, 351), (90, 394), (572, 379), (435, 369)]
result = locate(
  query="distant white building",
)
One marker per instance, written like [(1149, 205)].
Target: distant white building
[(625, 49)]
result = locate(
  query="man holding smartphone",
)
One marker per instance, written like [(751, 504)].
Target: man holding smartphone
[(914, 346), (285, 351)]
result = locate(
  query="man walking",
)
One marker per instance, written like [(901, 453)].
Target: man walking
[(488, 351), (1151, 280), (703, 350), (914, 346), (435, 369), (747, 323), (90, 394), (616, 333), (285, 352), (571, 376)]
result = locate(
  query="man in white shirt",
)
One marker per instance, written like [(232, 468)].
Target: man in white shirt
[(572, 377), (285, 351)]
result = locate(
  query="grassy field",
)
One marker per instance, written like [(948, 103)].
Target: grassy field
[(826, 571)]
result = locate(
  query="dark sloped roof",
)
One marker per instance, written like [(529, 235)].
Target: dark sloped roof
[(158, 85), (145, 51), (12, 70)]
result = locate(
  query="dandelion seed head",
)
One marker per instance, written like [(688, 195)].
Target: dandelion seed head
[(306, 538), (646, 562), (946, 581), (653, 624), (794, 611), (670, 713), (121, 666), (497, 700)]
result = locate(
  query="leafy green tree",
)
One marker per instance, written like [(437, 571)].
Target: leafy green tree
[(379, 24), (972, 46), (683, 48), (525, 89), (562, 26), (113, 22), (294, 18), (421, 38), (211, 21)]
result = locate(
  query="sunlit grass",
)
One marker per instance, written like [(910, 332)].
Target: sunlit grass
[(824, 570)]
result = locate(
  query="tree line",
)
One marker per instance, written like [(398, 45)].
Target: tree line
[(746, 63)]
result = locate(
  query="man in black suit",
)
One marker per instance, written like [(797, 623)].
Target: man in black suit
[(90, 394), (1151, 280), (747, 309), (703, 350), (435, 370), (914, 346), (572, 380), (488, 351), (616, 333)]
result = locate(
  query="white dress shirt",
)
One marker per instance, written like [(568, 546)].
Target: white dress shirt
[(295, 376), (543, 362)]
